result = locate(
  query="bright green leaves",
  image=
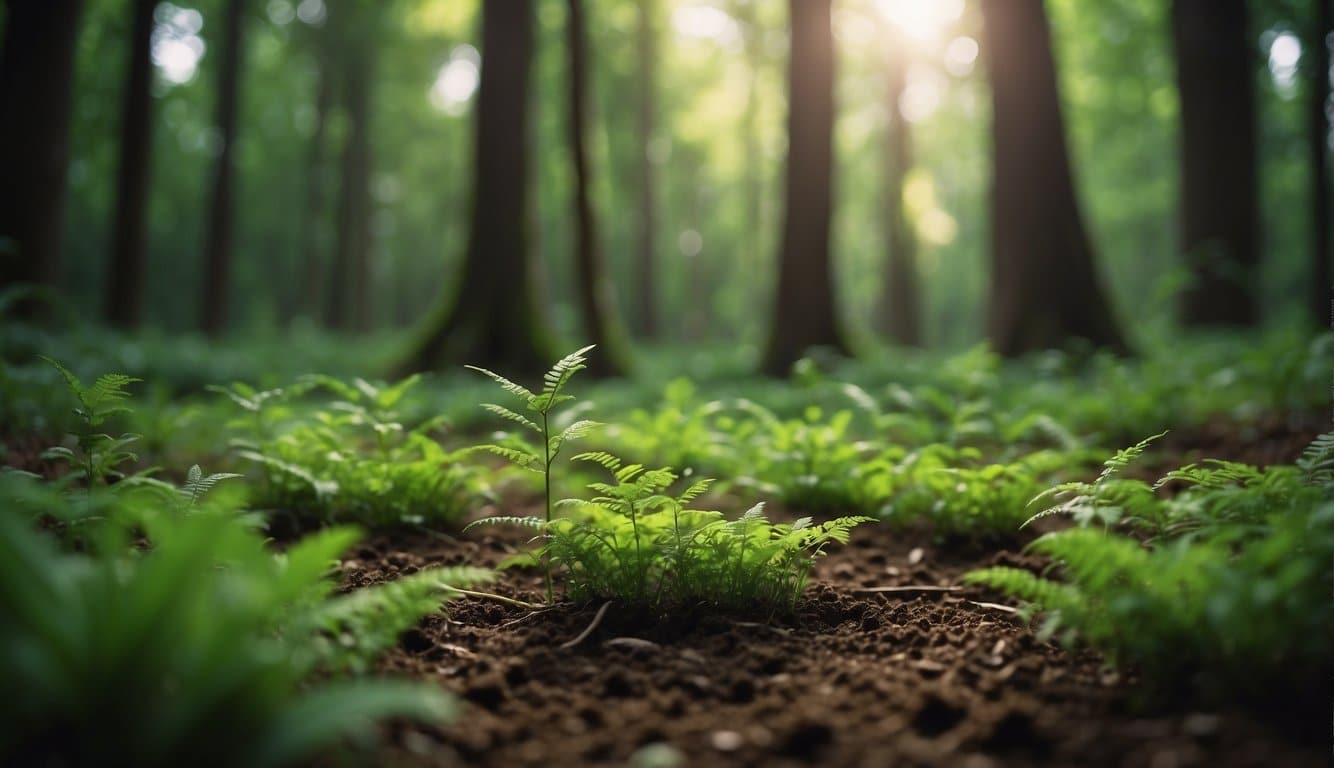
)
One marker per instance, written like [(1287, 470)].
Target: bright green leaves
[(1229, 573)]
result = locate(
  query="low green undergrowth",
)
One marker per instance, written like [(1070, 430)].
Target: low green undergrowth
[(349, 457), (175, 637), (1223, 583), (635, 541)]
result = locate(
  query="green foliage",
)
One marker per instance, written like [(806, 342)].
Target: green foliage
[(1233, 588), (960, 494), (201, 646), (551, 436), (811, 463), (97, 455), (350, 458), (634, 542)]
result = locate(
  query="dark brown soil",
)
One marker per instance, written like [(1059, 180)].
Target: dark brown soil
[(853, 679)]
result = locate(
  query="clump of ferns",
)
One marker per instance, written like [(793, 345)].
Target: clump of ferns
[(926, 415), (811, 463), (1225, 584), (351, 458), (632, 540), (635, 542), (678, 431)]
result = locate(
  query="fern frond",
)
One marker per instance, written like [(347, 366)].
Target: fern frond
[(517, 390), (1125, 457), (601, 458), (536, 523), (555, 379), (694, 491), (517, 418), (197, 484)]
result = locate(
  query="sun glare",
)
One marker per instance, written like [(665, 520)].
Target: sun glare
[(921, 20)]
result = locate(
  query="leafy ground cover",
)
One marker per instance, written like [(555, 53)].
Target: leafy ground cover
[(895, 600)]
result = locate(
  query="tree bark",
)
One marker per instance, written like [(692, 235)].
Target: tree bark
[(36, 76), (1220, 220), (124, 299), (313, 271), (900, 306), (597, 311), (494, 320), (805, 314), (1321, 255), (221, 219), (647, 234), (349, 300), (1045, 289)]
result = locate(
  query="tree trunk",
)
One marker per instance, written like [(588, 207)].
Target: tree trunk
[(221, 224), (494, 321), (751, 253), (900, 308), (646, 265), (313, 272), (1321, 255), (1045, 289), (36, 75), (805, 315), (349, 300), (1220, 224), (596, 302), (124, 299)]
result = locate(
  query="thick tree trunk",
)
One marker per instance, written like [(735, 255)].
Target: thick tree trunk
[(221, 224), (805, 314), (1045, 289), (1322, 279), (124, 298), (36, 75), (349, 300), (1220, 220), (493, 320), (900, 308), (313, 271), (751, 253), (646, 288), (597, 311)]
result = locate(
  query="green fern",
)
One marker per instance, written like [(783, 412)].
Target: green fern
[(542, 457), (99, 456)]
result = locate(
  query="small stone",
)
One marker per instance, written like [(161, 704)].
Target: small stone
[(916, 555), (726, 741)]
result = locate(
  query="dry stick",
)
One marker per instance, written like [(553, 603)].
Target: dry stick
[(589, 629), (892, 590), (994, 606), (489, 596), (525, 617)]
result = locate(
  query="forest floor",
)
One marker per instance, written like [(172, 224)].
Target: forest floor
[(939, 676)]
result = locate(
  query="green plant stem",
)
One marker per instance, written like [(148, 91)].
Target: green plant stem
[(546, 480)]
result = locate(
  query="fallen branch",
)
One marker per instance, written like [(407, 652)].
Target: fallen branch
[(589, 629)]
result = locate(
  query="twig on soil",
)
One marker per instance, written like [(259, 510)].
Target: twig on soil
[(489, 596), (525, 617), (758, 625), (907, 589), (993, 606), (589, 629)]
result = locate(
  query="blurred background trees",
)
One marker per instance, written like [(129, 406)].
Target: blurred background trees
[(950, 170)]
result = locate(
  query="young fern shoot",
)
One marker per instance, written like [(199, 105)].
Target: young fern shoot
[(542, 405)]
